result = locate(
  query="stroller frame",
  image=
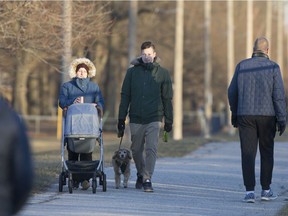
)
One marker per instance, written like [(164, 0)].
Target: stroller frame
[(94, 167)]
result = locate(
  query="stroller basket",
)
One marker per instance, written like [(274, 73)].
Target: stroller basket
[(81, 145), (84, 166)]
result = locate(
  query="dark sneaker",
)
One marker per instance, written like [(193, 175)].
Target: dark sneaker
[(85, 185), (249, 198), (147, 185), (266, 196), (139, 182)]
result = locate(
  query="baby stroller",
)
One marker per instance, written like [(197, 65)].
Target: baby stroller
[(81, 131)]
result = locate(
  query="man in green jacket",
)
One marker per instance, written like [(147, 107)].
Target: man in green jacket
[(147, 95)]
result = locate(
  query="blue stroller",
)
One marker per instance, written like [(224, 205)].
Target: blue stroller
[(81, 131)]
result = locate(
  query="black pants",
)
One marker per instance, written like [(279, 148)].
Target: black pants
[(254, 129), (83, 157)]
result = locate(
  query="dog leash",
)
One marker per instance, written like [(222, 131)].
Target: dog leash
[(120, 142)]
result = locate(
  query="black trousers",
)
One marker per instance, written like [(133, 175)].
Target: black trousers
[(83, 157), (254, 130)]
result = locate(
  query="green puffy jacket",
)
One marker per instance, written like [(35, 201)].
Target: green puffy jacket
[(147, 93)]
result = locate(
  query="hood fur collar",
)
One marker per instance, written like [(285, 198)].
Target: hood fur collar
[(73, 66), (138, 60)]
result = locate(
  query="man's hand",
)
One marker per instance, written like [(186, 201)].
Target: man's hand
[(167, 127), (234, 121), (281, 126), (121, 127)]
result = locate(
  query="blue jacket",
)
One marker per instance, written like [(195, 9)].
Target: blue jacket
[(257, 88), (80, 87)]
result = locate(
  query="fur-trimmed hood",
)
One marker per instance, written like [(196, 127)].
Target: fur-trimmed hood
[(73, 66)]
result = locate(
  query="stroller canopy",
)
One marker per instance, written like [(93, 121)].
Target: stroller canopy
[(82, 121)]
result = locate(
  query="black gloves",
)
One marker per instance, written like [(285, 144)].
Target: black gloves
[(167, 127), (121, 127), (234, 121), (281, 125)]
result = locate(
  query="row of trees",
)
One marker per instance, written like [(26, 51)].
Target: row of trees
[(32, 46)]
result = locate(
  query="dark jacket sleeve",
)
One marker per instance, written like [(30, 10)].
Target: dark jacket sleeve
[(278, 96), (125, 96), (233, 92), (64, 100), (99, 99), (167, 95)]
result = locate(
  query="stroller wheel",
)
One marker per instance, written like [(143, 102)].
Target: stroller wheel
[(104, 183), (70, 184), (94, 185), (101, 178), (60, 182), (64, 176)]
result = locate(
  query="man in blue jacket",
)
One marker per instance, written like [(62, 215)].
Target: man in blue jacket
[(257, 101), (146, 94)]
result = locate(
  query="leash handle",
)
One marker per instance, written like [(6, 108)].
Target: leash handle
[(120, 142)]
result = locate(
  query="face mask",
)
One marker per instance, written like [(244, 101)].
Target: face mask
[(147, 59)]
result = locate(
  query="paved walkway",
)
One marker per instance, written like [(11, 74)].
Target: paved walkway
[(207, 182)]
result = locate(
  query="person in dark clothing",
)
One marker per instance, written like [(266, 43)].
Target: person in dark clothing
[(81, 90), (16, 165), (257, 101), (147, 94)]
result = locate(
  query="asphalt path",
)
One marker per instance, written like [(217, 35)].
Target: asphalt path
[(207, 182)]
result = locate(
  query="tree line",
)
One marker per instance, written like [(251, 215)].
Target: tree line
[(31, 47)]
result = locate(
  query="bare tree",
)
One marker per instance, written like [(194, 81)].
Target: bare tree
[(249, 37), (178, 71), (230, 52), (31, 34), (280, 27), (268, 20), (67, 38), (208, 68), (132, 29), (31, 48)]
